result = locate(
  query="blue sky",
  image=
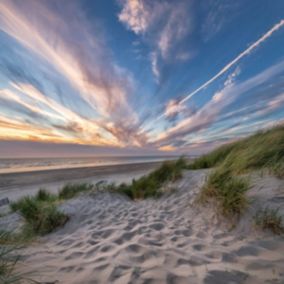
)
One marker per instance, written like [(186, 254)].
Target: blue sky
[(138, 76)]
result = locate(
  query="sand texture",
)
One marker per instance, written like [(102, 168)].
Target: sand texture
[(110, 239)]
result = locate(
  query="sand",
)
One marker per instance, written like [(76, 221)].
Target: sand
[(110, 239), (16, 185)]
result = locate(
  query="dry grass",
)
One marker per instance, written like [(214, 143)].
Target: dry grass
[(269, 219)]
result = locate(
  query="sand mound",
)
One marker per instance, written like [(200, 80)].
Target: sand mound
[(110, 239)]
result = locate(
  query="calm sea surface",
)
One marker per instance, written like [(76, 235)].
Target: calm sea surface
[(36, 164)]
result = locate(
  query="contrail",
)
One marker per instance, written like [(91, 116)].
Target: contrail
[(233, 62)]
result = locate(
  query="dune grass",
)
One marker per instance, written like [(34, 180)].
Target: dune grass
[(212, 159), (262, 150), (150, 186), (71, 190), (228, 192), (40, 213), (269, 219)]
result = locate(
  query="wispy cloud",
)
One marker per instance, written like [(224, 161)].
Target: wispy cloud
[(85, 61), (161, 24), (203, 117), (246, 52), (210, 112), (64, 79), (61, 121), (236, 60), (218, 14), (136, 15)]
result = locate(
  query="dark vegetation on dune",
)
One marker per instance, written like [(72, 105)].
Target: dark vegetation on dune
[(150, 186), (262, 151)]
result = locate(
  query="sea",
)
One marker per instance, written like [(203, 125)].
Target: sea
[(15, 165)]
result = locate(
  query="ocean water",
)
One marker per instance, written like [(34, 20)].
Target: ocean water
[(37, 164)]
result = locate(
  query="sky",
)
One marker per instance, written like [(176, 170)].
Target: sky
[(137, 77)]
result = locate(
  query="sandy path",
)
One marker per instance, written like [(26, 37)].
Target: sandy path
[(110, 239)]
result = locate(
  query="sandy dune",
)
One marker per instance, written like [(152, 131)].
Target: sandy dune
[(110, 239)]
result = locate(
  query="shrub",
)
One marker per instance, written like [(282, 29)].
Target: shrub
[(228, 192), (71, 190), (269, 219)]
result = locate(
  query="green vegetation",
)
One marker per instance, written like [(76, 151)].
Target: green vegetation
[(269, 219), (40, 213), (277, 169), (150, 185), (228, 191), (43, 195), (41, 216), (212, 159), (71, 190), (262, 150)]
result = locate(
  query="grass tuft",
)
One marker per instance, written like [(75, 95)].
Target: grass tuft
[(40, 213), (71, 190), (269, 219), (264, 151), (228, 191), (150, 185), (43, 195)]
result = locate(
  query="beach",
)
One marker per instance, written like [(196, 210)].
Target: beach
[(16, 185), (112, 239)]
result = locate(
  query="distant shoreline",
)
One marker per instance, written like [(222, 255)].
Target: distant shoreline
[(45, 164), (43, 177)]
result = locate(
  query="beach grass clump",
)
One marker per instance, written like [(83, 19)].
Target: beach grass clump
[(44, 195), (228, 191), (262, 150), (41, 196), (269, 219), (71, 190), (41, 216), (150, 186)]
